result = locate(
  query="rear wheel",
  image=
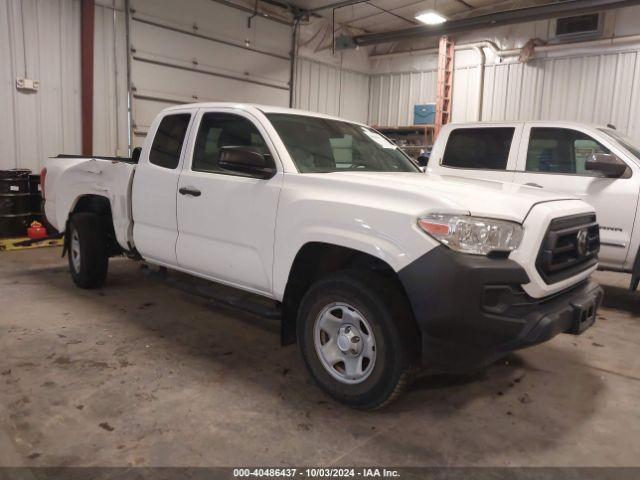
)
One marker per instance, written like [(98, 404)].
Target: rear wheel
[(88, 253), (355, 332)]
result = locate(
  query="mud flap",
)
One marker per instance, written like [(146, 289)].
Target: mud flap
[(635, 273)]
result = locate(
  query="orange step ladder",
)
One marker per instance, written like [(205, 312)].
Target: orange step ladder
[(445, 83)]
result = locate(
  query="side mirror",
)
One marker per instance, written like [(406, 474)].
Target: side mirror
[(607, 164), (247, 161), (135, 155), (423, 159)]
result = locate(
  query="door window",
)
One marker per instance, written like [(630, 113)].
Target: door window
[(561, 150), (219, 130), (484, 148), (167, 144)]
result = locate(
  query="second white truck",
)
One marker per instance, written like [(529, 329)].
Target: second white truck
[(376, 270), (596, 163)]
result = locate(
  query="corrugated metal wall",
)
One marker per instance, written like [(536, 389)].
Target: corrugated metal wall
[(40, 39), (596, 88), (332, 90), (202, 50), (110, 97), (392, 96), (206, 52), (600, 85)]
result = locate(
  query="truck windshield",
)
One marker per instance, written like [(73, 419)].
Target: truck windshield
[(623, 140), (319, 145)]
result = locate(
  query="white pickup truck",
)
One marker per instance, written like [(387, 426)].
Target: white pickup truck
[(595, 163), (375, 268)]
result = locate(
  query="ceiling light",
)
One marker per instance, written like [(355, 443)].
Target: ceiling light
[(430, 17)]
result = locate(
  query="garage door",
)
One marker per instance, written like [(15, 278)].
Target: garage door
[(200, 51)]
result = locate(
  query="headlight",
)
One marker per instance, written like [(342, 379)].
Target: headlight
[(475, 235)]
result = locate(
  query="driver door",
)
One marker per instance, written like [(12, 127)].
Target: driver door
[(226, 221)]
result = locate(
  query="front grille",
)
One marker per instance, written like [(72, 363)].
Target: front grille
[(570, 246)]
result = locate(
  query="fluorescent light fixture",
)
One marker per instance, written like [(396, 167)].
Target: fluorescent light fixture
[(430, 17)]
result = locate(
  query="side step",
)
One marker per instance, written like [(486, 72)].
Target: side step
[(245, 302)]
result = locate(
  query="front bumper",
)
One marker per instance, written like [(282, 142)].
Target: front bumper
[(471, 309)]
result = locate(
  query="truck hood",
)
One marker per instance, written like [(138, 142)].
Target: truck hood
[(482, 198)]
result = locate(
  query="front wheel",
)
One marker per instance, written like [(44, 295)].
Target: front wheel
[(88, 253), (357, 338)]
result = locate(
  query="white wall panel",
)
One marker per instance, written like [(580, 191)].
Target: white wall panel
[(35, 125), (110, 122), (465, 80), (392, 96), (200, 50), (594, 88), (210, 18), (184, 86), (328, 89)]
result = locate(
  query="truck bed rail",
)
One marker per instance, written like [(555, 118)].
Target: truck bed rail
[(99, 157)]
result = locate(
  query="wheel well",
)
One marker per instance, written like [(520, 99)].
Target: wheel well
[(102, 207), (313, 261)]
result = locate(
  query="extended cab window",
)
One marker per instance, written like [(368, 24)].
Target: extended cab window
[(219, 130), (561, 150), (167, 144), (485, 148)]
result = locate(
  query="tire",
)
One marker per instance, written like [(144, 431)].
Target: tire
[(88, 254), (381, 316)]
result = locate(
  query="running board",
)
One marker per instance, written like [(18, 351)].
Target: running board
[(243, 301)]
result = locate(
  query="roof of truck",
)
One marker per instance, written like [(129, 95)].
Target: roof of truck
[(532, 122), (262, 108)]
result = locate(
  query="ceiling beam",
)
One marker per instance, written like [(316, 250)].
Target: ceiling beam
[(508, 17)]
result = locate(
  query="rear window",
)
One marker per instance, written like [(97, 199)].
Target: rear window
[(478, 148), (167, 144)]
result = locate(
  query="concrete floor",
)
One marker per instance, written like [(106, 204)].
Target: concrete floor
[(138, 373)]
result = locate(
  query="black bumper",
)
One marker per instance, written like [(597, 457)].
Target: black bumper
[(471, 309)]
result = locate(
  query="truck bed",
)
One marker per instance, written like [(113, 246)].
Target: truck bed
[(71, 177)]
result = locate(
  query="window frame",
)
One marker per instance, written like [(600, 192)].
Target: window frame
[(595, 135), (185, 141), (229, 111), (510, 166)]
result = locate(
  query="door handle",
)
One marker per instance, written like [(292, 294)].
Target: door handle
[(190, 191), (533, 185)]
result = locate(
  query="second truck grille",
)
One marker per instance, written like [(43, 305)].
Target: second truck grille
[(570, 246)]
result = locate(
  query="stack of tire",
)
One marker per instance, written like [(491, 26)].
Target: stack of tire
[(20, 202)]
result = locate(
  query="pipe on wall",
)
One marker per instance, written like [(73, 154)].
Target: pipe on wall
[(514, 52), (130, 126), (292, 55), (483, 59), (87, 18)]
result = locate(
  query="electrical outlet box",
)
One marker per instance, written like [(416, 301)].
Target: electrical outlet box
[(345, 42), (27, 84)]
